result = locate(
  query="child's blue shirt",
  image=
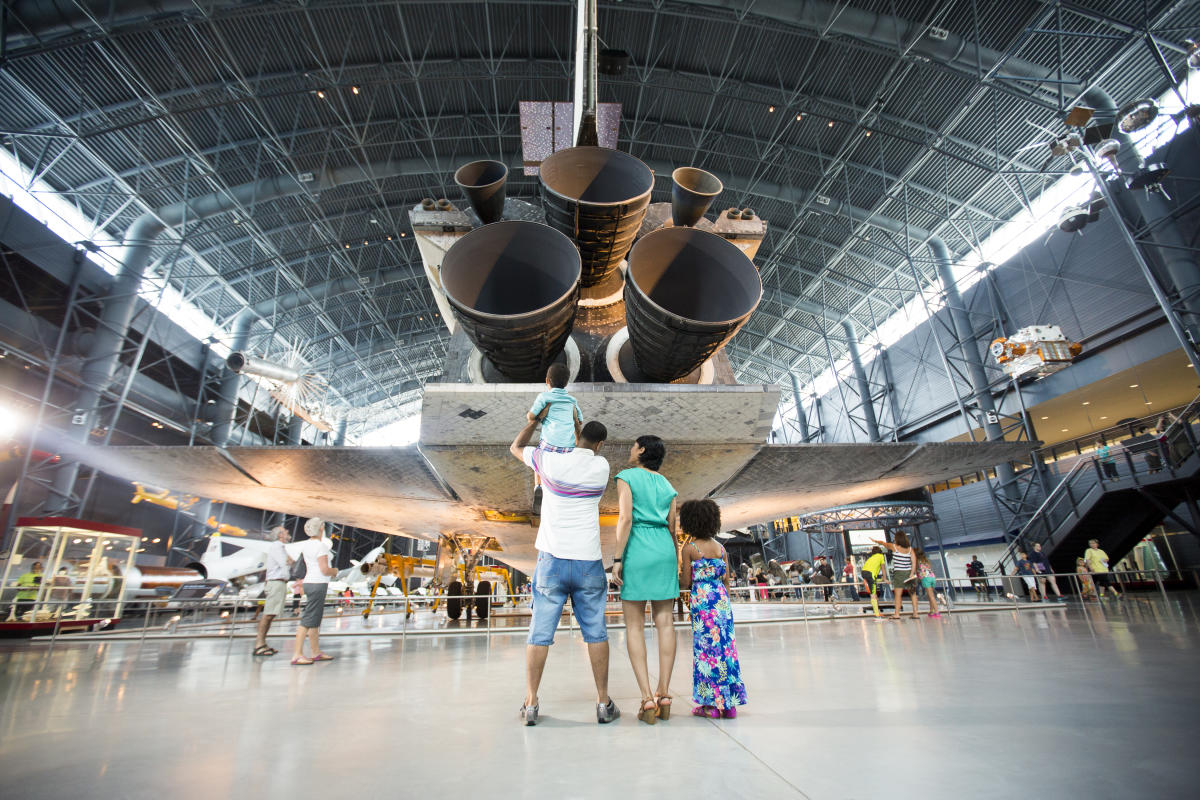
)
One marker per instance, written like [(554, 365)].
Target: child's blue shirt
[(558, 428)]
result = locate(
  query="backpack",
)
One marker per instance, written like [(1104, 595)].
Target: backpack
[(299, 568)]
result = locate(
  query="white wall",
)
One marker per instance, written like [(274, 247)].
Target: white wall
[(957, 558)]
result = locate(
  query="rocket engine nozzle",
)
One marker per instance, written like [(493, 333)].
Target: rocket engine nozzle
[(687, 292), (483, 182), (692, 192), (514, 287), (598, 197)]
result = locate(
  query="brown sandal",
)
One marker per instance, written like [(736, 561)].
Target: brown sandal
[(664, 708), (648, 715)]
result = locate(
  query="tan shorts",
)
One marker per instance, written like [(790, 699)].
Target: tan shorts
[(275, 593)]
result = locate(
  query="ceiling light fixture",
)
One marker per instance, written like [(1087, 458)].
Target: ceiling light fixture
[(320, 94), (770, 109), (354, 89), (867, 133), (1133, 386), (831, 123), (1087, 402), (1045, 418), (799, 117)]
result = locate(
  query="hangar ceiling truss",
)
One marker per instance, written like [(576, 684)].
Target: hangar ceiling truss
[(915, 111)]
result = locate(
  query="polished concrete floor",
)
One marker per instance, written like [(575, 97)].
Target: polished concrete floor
[(1096, 701)]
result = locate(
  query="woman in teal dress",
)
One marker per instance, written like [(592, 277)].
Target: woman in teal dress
[(647, 568)]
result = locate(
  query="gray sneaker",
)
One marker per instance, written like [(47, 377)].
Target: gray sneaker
[(529, 715), (607, 713)]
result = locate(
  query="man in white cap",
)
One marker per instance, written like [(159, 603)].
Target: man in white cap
[(317, 553)]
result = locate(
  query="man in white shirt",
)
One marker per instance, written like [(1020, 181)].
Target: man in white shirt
[(317, 553), (569, 563), (277, 578)]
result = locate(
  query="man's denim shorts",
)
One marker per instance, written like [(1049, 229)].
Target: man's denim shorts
[(556, 579)]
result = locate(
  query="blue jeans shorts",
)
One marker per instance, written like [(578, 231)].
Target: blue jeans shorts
[(555, 580)]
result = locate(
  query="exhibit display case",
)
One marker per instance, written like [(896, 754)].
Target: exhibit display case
[(65, 574)]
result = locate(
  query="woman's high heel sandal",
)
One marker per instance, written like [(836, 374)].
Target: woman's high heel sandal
[(648, 715), (663, 701)]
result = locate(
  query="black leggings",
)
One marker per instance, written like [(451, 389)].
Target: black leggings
[(869, 580)]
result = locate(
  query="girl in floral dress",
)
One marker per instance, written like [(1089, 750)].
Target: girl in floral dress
[(717, 684)]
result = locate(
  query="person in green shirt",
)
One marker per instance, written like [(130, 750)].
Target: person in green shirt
[(870, 575), (646, 568), (27, 586)]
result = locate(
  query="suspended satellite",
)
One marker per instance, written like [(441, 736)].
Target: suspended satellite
[(1038, 350)]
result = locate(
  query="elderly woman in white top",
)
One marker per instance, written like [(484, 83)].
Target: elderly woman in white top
[(317, 553)]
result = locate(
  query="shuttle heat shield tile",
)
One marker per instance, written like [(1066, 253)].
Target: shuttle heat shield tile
[(488, 477), (391, 490), (386, 471), (469, 414), (782, 480)]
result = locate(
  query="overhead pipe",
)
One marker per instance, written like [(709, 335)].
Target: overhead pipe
[(598, 197), (514, 288), (687, 292), (246, 364), (860, 380)]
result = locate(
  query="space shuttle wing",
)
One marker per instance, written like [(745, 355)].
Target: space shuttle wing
[(784, 480), (389, 489)]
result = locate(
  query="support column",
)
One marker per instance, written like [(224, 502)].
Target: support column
[(890, 389), (339, 437), (1178, 268), (801, 419), (295, 430), (860, 379)]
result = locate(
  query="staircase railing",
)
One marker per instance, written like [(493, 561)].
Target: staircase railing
[(1165, 452)]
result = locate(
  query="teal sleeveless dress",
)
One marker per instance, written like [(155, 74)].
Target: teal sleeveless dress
[(650, 570)]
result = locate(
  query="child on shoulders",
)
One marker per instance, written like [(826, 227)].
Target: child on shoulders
[(561, 419)]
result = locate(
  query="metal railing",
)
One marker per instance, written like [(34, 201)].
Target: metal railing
[(160, 620), (1091, 475)]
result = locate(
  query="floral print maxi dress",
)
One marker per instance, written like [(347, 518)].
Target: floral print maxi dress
[(716, 675)]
